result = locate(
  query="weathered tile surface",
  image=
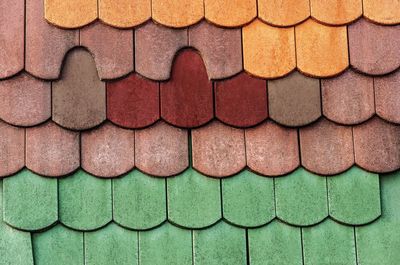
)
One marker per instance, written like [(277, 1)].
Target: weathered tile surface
[(283, 12), (12, 151), (230, 13), (81, 12), (387, 97), (336, 12)]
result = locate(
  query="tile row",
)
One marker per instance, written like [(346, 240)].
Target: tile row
[(226, 13), (274, 243)]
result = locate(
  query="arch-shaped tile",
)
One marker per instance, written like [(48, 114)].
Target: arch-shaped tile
[(177, 13), (155, 48), (30, 201), (12, 38), (348, 98), (79, 98), (283, 12), (301, 198), (241, 101), (221, 49), (272, 150), (24, 100), (294, 100), (113, 58), (162, 150), (108, 151), (334, 12), (124, 13), (387, 97), (228, 13), (194, 200), (321, 50), (52, 150), (81, 12), (139, 201), (84, 201), (268, 52), (187, 98), (326, 148), (12, 151), (218, 150), (248, 199), (374, 49), (46, 45), (382, 11), (377, 146), (133, 102)]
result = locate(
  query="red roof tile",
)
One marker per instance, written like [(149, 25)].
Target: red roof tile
[(12, 143), (387, 97)]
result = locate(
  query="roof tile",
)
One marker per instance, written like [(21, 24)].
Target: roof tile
[(228, 13), (177, 13), (241, 101), (283, 12), (218, 150), (12, 143), (108, 151), (334, 12), (387, 97), (326, 148), (382, 11)]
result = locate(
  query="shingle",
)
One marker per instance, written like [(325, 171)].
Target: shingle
[(283, 12), (334, 12), (113, 58), (108, 151), (187, 98), (387, 97), (382, 11), (241, 101), (348, 98), (220, 48), (52, 150), (12, 142), (133, 102), (177, 13), (228, 13), (155, 48), (374, 49)]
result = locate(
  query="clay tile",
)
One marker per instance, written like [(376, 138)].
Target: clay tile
[(46, 45), (218, 150), (24, 100), (241, 101), (268, 51), (187, 98), (272, 150), (336, 12), (348, 98), (52, 150), (374, 49), (221, 49), (12, 37), (326, 148), (177, 13), (387, 97), (283, 12), (155, 47), (108, 151), (162, 150), (230, 13), (124, 13), (321, 50), (377, 146), (382, 11), (133, 102), (294, 100), (78, 98), (113, 58), (12, 147), (80, 12)]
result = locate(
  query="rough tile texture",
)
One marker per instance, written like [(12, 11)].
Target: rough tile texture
[(12, 143), (81, 12), (382, 11), (336, 12), (177, 13), (387, 97), (228, 13), (283, 12)]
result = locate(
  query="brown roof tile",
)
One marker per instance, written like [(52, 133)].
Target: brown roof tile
[(108, 151), (336, 12), (24, 100), (12, 148), (230, 13), (162, 150), (177, 13), (283, 12), (387, 97), (271, 149), (218, 150), (382, 11), (348, 98), (326, 148), (79, 100), (52, 150)]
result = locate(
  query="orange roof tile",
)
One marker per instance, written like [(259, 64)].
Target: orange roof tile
[(283, 12), (177, 13), (382, 11), (230, 13), (336, 12), (81, 12)]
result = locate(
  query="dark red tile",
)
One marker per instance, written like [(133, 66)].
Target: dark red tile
[(241, 101), (326, 148), (377, 146), (374, 49), (387, 97), (12, 151), (348, 98), (187, 98), (133, 102)]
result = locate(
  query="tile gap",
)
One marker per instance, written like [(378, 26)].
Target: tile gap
[(355, 244), (302, 245)]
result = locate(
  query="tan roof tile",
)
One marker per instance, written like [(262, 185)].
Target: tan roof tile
[(382, 11), (336, 12), (230, 13), (177, 13), (80, 12), (283, 12)]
